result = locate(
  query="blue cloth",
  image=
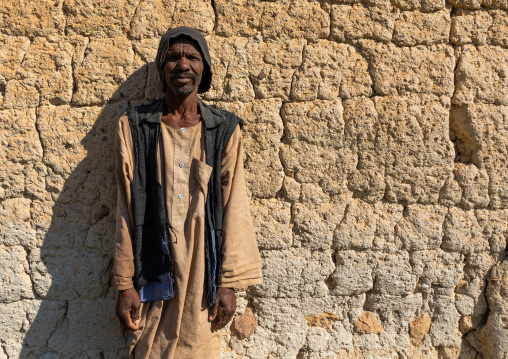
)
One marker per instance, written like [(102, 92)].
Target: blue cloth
[(156, 291)]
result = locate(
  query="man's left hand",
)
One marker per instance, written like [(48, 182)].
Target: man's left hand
[(223, 308)]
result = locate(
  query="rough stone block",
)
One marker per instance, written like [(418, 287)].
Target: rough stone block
[(98, 329), (295, 273), (402, 70), (272, 223), (317, 156), (366, 226), (33, 18), (238, 17), (462, 232), (316, 340), (12, 179), (396, 312), (291, 189), (444, 330), (86, 17), (65, 274), (318, 123), (421, 227), (359, 21), (423, 5), (464, 304), (47, 66), (476, 143), (15, 228), (415, 28), (498, 32), (287, 314), (62, 130), (106, 65), (11, 55), (262, 131), (296, 19), (286, 268), (18, 95), (393, 274), (274, 75), (475, 185), (20, 148), (44, 316), (14, 274), (324, 320), (480, 76), (244, 325), (354, 273), (470, 26), (437, 268), (198, 14), (362, 130), (231, 64), (492, 340), (495, 225), (468, 323), (466, 4), (330, 70), (340, 338), (12, 319), (418, 154), (496, 4), (19, 137), (152, 18), (418, 328)]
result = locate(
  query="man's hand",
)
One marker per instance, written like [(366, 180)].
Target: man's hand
[(128, 308), (223, 308)]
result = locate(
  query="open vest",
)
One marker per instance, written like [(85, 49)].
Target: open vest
[(151, 226)]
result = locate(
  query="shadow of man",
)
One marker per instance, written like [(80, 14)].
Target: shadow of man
[(73, 315)]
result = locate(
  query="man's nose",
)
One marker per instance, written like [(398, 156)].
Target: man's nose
[(183, 64)]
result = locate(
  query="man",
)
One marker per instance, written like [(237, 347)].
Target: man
[(184, 236)]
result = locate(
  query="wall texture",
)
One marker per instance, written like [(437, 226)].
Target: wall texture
[(376, 148)]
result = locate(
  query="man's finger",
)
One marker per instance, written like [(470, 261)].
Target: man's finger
[(135, 316), (127, 321), (136, 313), (213, 311)]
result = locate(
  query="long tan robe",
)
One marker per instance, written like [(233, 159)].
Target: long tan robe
[(179, 327)]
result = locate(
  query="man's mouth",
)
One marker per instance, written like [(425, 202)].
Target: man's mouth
[(183, 79)]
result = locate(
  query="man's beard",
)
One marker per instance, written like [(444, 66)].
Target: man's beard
[(183, 90)]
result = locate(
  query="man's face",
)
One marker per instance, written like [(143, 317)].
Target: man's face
[(183, 66)]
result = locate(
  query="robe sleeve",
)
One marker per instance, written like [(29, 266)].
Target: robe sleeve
[(123, 267), (241, 265)]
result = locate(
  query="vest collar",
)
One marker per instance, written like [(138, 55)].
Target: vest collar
[(210, 116), (154, 111)]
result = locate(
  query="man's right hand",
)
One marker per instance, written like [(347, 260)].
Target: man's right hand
[(128, 308)]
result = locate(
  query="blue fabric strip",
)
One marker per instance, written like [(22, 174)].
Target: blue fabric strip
[(156, 291), (213, 265)]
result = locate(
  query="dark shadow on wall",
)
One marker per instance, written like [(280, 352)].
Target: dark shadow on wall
[(72, 272)]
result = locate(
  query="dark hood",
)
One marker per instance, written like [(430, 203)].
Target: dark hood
[(194, 34)]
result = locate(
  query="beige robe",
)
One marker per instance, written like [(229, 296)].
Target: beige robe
[(179, 327)]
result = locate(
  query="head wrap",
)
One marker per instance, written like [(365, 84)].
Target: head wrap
[(195, 35)]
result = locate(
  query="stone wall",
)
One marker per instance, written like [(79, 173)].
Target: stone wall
[(376, 143)]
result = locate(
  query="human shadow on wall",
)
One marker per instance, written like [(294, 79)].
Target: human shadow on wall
[(72, 272)]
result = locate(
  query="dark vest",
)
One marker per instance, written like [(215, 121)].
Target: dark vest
[(150, 221)]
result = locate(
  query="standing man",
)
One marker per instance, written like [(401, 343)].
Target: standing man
[(184, 235)]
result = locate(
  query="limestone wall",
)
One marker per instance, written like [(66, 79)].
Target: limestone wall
[(376, 142)]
